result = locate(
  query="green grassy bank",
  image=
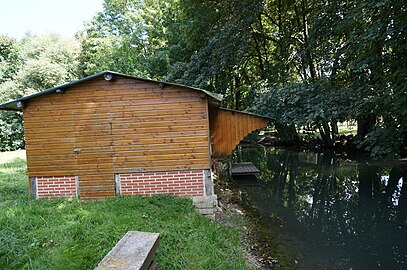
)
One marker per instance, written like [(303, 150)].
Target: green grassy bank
[(72, 234)]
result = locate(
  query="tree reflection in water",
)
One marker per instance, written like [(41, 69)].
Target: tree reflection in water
[(344, 213)]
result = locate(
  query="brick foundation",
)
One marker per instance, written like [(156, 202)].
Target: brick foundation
[(182, 183), (57, 186)]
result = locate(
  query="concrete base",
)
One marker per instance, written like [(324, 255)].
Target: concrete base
[(206, 205)]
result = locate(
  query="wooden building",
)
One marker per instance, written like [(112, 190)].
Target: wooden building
[(112, 133)]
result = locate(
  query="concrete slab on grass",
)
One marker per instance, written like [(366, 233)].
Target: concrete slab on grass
[(135, 251)]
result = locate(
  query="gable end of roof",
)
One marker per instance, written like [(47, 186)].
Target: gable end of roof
[(17, 104)]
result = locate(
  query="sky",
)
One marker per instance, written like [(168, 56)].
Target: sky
[(66, 17)]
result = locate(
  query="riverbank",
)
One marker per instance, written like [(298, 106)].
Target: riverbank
[(262, 249), (73, 234)]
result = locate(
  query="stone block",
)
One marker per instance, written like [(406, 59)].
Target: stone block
[(205, 199), (211, 217), (207, 211), (205, 205), (135, 251)]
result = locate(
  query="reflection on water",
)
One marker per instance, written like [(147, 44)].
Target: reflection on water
[(333, 212)]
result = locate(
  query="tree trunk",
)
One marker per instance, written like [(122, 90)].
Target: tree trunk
[(292, 180), (325, 132), (259, 56), (334, 129), (287, 134), (394, 176), (365, 125), (309, 59)]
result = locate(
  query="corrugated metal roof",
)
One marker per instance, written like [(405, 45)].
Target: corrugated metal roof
[(248, 113), (245, 168), (12, 105)]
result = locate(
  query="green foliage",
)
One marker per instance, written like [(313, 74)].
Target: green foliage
[(351, 54), (126, 37), (300, 104), (184, 41), (8, 58), (47, 61), (313, 106), (11, 131), (384, 142), (305, 63), (219, 58), (34, 64), (72, 234)]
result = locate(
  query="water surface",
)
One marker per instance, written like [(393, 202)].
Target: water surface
[(329, 210)]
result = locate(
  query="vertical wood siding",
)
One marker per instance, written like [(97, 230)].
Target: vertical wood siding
[(119, 126), (228, 128)]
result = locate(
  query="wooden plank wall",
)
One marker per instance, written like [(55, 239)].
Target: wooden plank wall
[(228, 128), (119, 126)]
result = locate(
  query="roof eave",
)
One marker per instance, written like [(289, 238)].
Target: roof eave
[(4, 106), (13, 103), (216, 96), (249, 113)]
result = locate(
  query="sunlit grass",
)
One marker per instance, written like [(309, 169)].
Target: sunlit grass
[(8, 156), (73, 234)]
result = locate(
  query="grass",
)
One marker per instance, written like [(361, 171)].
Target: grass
[(8, 156), (73, 234)]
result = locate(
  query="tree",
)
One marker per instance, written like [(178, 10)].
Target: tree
[(218, 56), (355, 46), (127, 36), (315, 62), (33, 64), (8, 58)]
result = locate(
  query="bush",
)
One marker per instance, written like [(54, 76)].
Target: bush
[(11, 131)]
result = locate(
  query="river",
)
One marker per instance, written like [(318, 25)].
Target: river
[(330, 210)]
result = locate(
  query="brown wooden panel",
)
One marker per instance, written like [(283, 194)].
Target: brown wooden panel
[(228, 128), (120, 140), (119, 114), (109, 104), (89, 154), (98, 187), (130, 122), (100, 146), (160, 132), (68, 141), (50, 159), (159, 129), (84, 125), (124, 169), (108, 159), (83, 166), (119, 95), (122, 126), (125, 164), (84, 111), (122, 150), (92, 194)]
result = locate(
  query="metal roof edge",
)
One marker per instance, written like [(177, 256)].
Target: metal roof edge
[(216, 96), (50, 90), (4, 106)]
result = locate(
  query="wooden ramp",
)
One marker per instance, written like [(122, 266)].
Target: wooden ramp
[(245, 168)]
